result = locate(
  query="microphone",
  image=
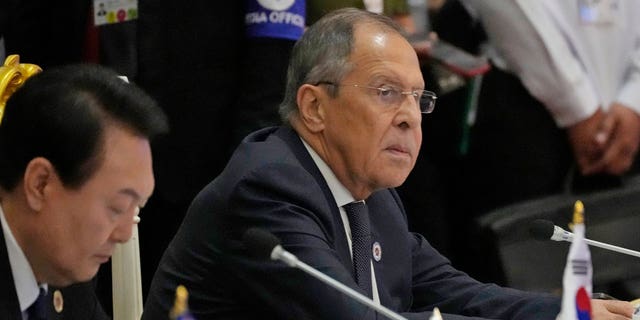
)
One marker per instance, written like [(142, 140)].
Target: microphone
[(265, 245), (546, 230)]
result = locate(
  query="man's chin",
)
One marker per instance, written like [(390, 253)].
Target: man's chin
[(77, 277), (398, 179)]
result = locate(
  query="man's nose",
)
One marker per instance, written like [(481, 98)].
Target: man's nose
[(409, 114)]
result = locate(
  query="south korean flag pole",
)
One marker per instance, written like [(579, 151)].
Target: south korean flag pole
[(576, 283)]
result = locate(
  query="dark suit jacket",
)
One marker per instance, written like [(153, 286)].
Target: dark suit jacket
[(80, 301), (271, 182)]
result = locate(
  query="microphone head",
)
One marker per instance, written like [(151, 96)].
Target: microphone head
[(259, 242), (542, 229)]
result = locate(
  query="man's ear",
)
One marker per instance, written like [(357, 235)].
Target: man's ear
[(38, 174), (310, 107)]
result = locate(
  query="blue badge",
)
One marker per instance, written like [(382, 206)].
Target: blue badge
[(284, 19), (598, 12)]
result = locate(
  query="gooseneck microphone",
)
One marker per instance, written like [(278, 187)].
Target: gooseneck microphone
[(545, 230), (263, 244)]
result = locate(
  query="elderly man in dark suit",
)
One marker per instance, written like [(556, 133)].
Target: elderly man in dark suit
[(75, 168), (354, 101)]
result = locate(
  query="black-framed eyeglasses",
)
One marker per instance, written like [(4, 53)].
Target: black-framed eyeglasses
[(390, 96)]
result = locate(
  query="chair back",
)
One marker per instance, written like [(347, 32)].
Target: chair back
[(611, 216)]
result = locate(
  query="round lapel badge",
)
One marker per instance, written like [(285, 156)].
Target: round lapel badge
[(377, 251), (58, 301)]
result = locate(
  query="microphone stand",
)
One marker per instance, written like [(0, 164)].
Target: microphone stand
[(568, 236), (279, 253)]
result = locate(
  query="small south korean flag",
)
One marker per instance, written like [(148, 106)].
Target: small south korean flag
[(576, 283)]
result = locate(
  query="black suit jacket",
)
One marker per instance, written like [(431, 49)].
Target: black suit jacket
[(271, 182), (80, 301)]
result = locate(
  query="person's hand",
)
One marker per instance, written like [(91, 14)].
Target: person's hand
[(611, 310), (624, 140), (588, 139)]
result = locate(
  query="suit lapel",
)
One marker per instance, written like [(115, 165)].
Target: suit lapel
[(394, 266), (294, 142), (9, 306)]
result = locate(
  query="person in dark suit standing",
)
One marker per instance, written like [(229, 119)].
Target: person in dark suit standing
[(75, 169), (324, 185)]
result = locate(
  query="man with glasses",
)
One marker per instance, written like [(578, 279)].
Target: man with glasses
[(323, 184)]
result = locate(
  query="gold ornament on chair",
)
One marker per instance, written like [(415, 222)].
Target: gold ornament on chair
[(13, 74)]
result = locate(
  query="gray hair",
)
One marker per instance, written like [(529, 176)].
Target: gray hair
[(322, 54)]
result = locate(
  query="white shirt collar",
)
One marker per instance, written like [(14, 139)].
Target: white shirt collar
[(338, 190), (25, 281)]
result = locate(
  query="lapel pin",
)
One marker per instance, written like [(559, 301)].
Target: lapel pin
[(377, 251), (58, 301)]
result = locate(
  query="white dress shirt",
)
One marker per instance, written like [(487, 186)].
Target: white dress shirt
[(573, 67)]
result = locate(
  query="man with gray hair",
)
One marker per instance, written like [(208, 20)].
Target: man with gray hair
[(323, 184)]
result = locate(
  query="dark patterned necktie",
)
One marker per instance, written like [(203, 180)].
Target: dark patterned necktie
[(360, 243), (38, 310)]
